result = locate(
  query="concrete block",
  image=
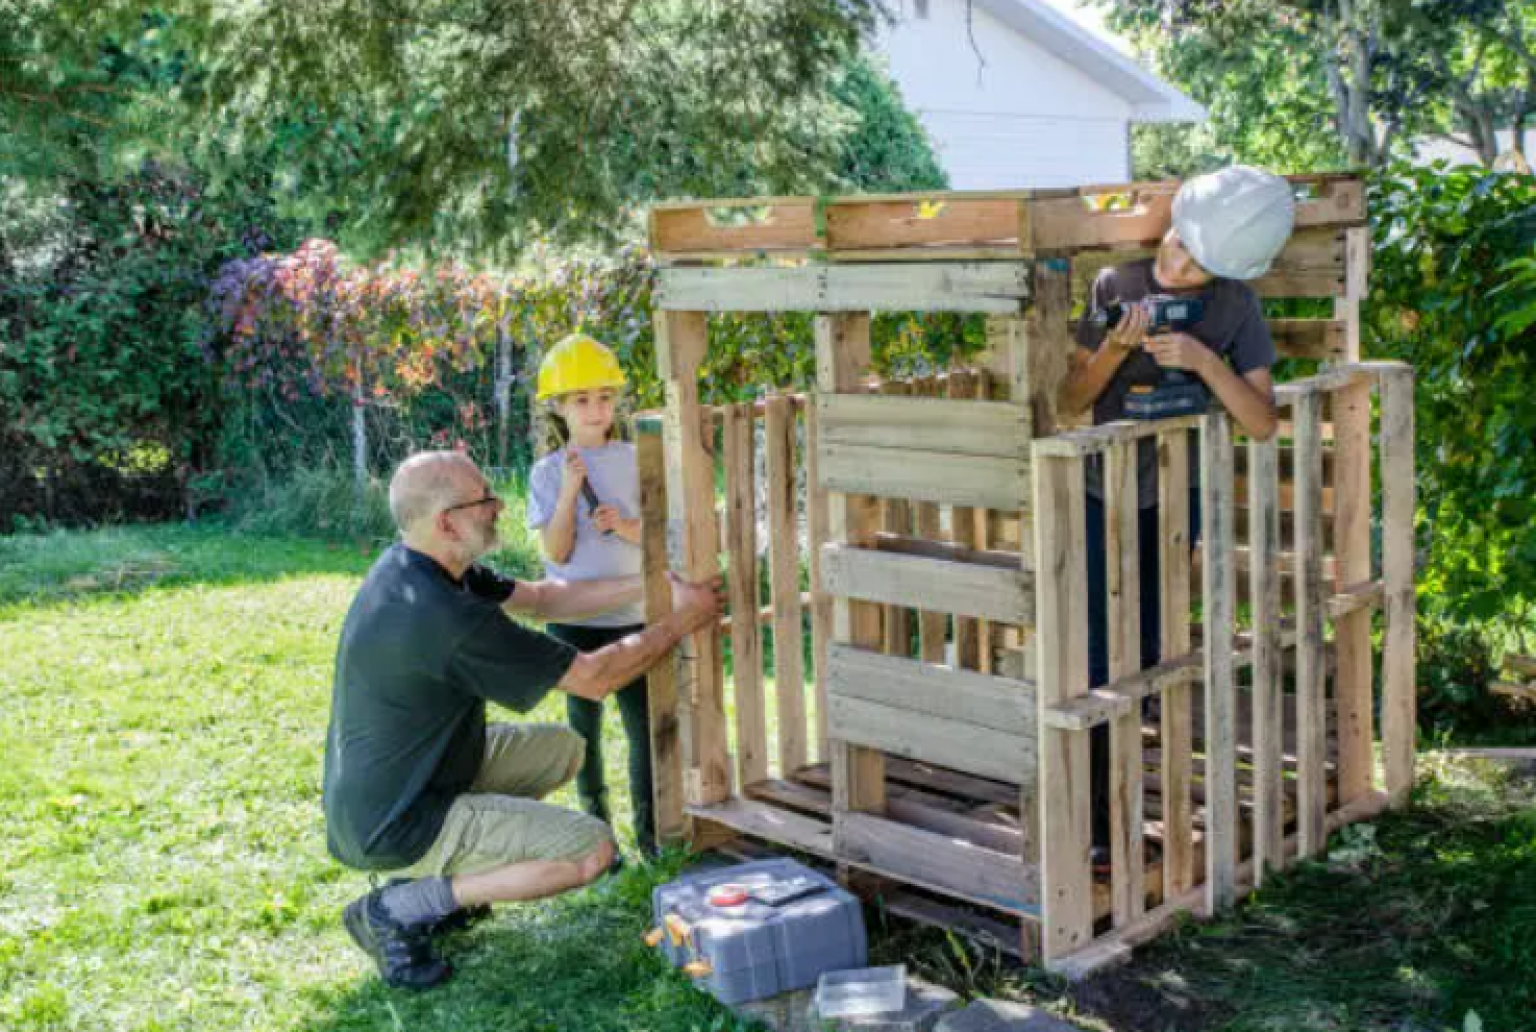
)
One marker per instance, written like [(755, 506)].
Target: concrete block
[(1000, 1016)]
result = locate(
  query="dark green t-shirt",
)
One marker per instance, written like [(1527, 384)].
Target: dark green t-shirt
[(420, 654), (1232, 326)]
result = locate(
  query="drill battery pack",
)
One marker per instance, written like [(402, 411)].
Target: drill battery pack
[(1167, 399)]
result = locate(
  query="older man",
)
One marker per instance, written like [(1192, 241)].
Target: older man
[(416, 783)]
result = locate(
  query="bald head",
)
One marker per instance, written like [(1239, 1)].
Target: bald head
[(428, 482)]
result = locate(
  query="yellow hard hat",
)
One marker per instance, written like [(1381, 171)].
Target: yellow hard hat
[(578, 363)]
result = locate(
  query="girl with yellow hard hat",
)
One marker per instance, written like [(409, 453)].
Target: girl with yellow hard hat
[(584, 500)]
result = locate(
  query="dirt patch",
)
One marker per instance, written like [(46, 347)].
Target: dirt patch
[(1144, 998)]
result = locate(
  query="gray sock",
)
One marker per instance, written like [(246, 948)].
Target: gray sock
[(420, 901)]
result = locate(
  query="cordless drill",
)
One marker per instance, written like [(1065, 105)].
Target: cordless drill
[(1177, 393)]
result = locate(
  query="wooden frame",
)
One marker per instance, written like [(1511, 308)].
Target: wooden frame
[(945, 533)]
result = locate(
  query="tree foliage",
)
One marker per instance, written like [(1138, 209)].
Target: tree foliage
[(1381, 72)]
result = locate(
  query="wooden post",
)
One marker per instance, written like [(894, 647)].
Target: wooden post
[(896, 518), (1352, 546), (1311, 673), (1268, 709), (962, 519), (784, 578), (1128, 890), (681, 340), (666, 738), (1399, 702), (858, 775), (1219, 597), (1062, 647), (746, 635), (1177, 726), (816, 520)]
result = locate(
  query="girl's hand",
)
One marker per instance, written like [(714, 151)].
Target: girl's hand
[(575, 474), (1179, 351), (606, 518)]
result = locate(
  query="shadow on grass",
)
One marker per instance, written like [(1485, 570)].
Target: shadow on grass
[(1410, 923), (578, 962)]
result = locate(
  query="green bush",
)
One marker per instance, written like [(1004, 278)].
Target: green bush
[(321, 502)]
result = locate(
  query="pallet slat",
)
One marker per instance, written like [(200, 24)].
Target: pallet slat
[(984, 700), (1001, 287), (914, 735), (930, 424), (979, 481), (916, 582), (940, 863), (746, 636)]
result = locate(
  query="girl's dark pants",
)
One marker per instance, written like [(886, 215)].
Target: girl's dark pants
[(586, 719), (1150, 566)]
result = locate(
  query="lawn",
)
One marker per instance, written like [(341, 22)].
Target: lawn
[(165, 692)]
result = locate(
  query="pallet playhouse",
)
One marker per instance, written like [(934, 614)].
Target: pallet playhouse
[(937, 751)]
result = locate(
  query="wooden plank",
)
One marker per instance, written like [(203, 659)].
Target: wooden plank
[(904, 580), (1065, 836), (932, 626), (1323, 340), (1310, 671), (1399, 703), (1095, 440), (857, 224), (1128, 890), (1312, 264), (858, 775), (1000, 287), (909, 806), (989, 933), (945, 550), (817, 517), (896, 518), (986, 701), (784, 578), (771, 823), (969, 748), (681, 341), (978, 481), (661, 681), (739, 450), (1174, 545), (937, 862), (1351, 411), (1518, 665), (1220, 611), (1267, 691), (963, 385), (763, 224), (927, 424)]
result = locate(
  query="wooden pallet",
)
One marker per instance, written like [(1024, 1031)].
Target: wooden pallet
[(956, 226)]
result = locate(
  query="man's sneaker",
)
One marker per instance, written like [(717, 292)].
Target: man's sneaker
[(459, 920), (403, 953)]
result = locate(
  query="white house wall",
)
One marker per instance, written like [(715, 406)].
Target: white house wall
[(1017, 115)]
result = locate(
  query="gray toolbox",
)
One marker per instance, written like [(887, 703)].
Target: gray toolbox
[(758, 929)]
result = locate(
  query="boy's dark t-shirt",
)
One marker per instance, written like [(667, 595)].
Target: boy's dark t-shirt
[(1232, 326), (420, 654)]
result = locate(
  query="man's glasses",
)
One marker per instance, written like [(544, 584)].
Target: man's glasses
[(489, 499)]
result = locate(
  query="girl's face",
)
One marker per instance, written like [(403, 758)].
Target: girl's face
[(589, 414)]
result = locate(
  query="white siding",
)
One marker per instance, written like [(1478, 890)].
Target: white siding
[(1016, 115)]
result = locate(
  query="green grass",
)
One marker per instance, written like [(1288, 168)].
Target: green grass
[(165, 691)]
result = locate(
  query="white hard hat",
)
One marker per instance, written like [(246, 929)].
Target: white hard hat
[(1234, 222)]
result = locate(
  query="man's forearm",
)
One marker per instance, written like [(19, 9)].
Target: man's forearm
[(595, 675), (567, 600)]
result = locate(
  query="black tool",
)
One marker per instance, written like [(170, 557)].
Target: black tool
[(592, 502), (1177, 393), (785, 890)]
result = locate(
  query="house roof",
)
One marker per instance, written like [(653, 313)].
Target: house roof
[(1151, 99)]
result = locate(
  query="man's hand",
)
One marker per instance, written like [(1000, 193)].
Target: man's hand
[(697, 601), (1180, 351), (1127, 336)]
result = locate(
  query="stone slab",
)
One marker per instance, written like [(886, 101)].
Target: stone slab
[(1001, 1016)]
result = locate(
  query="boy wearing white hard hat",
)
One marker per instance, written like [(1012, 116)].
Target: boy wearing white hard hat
[(1228, 227)]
